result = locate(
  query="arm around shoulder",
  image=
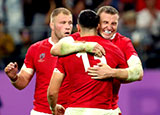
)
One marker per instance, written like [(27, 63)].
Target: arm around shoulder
[(135, 69), (61, 47), (134, 72)]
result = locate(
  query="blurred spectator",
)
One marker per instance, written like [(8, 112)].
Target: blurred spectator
[(148, 22), (93, 4), (36, 16), (149, 18), (125, 5), (75, 6), (142, 26), (114, 3), (13, 17), (26, 41), (127, 27), (140, 4), (134, 4), (6, 46), (127, 23), (1, 9), (21, 49)]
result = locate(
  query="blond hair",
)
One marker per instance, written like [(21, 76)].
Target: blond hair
[(57, 11)]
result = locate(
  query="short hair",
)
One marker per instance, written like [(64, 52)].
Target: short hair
[(88, 19), (57, 11), (108, 10)]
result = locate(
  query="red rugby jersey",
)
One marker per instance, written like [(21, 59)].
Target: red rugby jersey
[(38, 58), (125, 45), (83, 91)]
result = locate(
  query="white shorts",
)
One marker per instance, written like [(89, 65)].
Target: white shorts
[(33, 112), (90, 111), (118, 110)]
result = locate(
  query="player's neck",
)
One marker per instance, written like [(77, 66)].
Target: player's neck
[(87, 32), (54, 38)]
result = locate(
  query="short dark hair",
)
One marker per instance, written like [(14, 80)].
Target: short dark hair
[(59, 10), (88, 18), (108, 10)]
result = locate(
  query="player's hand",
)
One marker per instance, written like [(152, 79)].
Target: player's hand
[(11, 70), (94, 47), (59, 110), (98, 50), (101, 71)]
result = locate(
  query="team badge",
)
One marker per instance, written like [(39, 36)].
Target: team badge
[(41, 57)]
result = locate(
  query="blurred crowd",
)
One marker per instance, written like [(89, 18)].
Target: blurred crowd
[(23, 22)]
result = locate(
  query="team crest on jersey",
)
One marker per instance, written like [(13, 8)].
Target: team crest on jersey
[(41, 57)]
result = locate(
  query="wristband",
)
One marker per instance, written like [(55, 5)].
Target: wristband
[(14, 79)]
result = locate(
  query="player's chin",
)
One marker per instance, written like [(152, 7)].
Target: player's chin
[(65, 35), (106, 36)]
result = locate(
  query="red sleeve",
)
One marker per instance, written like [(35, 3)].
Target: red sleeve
[(59, 65), (63, 91), (128, 49), (29, 58)]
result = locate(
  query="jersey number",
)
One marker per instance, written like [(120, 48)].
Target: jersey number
[(86, 60)]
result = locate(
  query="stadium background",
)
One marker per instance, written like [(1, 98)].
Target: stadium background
[(26, 21)]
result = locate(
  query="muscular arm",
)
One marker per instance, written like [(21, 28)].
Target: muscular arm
[(135, 70), (53, 89), (19, 80), (67, 46), (133, 73), (57, 49)]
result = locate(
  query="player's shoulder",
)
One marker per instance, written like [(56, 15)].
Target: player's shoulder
[(100, 39), (39, 43), (110, 45), (122, 38), (75, 35)]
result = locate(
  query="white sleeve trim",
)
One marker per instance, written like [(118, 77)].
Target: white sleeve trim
[(133, 60), (56, 70), (28, 70)]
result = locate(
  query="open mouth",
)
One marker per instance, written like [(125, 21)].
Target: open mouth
[(67, 33), (108, 32)]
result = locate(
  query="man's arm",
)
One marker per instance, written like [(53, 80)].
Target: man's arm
[(19, 80), (133, 73), (67, 46), (53, 89)]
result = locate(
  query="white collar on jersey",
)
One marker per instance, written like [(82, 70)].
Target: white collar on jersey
[(113, 36), (50, 41)]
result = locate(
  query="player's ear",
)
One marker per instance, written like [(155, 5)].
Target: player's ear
[(98, 26), (78, 27), (51, 24)]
